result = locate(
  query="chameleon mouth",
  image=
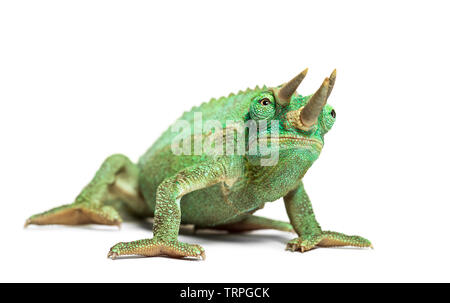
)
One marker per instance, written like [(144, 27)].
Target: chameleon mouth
[(286, 142)]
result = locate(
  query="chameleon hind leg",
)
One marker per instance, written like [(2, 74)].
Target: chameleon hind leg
[(117, 179), (251, 223)]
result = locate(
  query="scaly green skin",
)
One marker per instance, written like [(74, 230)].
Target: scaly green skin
[(211, 191)]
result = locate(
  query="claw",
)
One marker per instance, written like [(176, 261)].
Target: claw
[(203, 256), (112, 255), (291, 247), (27, 222)]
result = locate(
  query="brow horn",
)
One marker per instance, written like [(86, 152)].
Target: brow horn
[(288, 89)]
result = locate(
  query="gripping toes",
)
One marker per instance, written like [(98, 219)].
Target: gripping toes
[(326, 239), (302, 245), (152, 247), (77, 214)]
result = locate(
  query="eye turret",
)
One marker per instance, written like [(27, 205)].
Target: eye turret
[(262, 107)]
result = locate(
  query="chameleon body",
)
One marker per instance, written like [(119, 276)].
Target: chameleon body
[(217, 190)]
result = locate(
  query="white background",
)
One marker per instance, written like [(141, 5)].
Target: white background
[(80, 80)]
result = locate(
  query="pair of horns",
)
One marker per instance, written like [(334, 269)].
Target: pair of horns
[(307, 115)]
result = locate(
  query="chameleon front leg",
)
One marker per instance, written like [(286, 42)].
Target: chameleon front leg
[(168, 211), (310, 235)]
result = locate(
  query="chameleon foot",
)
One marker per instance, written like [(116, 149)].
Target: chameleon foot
[(77, 214), (326, 239), (152, 247)]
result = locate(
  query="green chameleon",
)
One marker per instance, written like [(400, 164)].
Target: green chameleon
[(217, 190)]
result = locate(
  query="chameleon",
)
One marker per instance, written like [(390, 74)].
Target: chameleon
[(218, 190)]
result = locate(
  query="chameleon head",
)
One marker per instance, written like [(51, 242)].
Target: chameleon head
[(301, 121), (306, 114)]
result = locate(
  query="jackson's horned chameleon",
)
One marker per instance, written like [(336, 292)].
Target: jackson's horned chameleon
[(223, 188)]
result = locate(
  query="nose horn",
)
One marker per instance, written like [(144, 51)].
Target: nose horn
[(311, 111), (305, 117)]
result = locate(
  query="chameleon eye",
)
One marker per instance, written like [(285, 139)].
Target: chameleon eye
[(264, 102), (333, 113)]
